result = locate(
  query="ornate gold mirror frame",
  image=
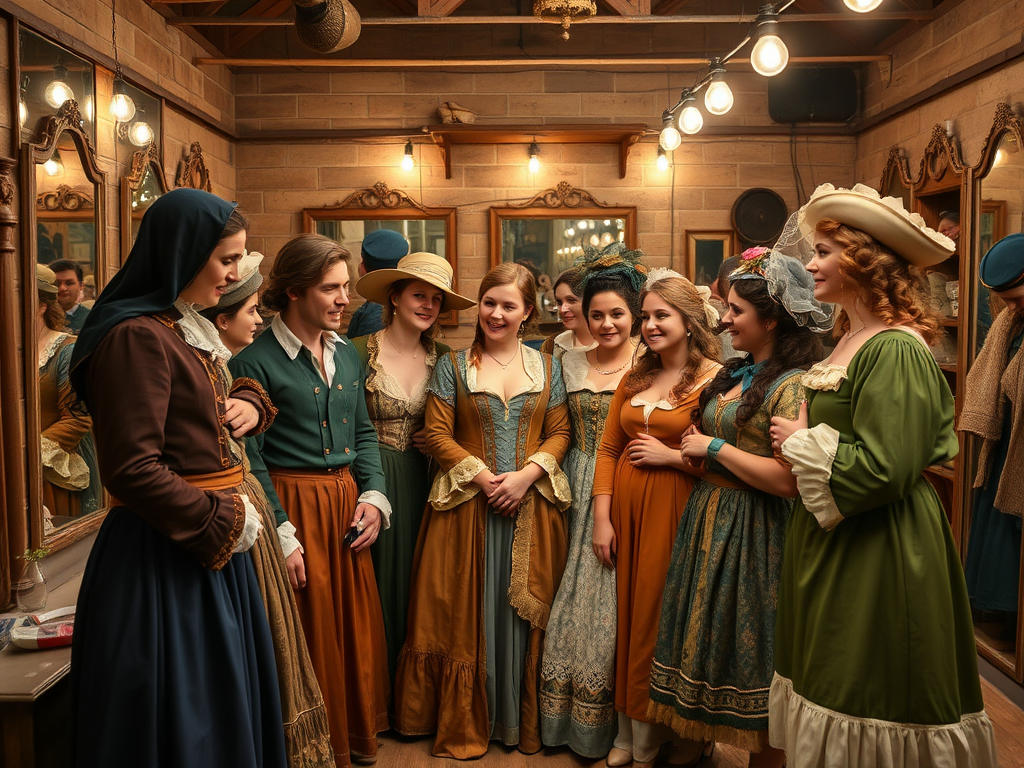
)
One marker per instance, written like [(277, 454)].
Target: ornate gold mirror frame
[(66, 124), (143, 161), (895, 180), (426, 228), (192, 170)]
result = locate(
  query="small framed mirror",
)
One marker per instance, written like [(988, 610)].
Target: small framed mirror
[(380, 207), (63, 194), (548, 233), (144, 183), (192, 171)]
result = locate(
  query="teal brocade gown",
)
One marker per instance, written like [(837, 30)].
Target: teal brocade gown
[(396, 416), (713, 661), (875, 658), (577, 698)]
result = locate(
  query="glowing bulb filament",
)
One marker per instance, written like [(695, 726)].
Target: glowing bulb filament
[(718, 99)]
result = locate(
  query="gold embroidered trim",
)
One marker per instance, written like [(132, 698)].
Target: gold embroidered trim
[(553, 485), (270, 412), (525, 604), (222, 557), (454, 487)]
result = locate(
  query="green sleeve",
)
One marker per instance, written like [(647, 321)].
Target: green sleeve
[(902, 416), (240, 367), (367, 467)]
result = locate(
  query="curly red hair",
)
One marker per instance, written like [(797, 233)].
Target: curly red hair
[(887, 285)]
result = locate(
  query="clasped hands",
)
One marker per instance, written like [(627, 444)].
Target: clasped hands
[(240, 416), (504, 492)]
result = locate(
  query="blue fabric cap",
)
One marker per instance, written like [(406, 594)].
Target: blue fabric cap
[(1002, 268), (382, 249)]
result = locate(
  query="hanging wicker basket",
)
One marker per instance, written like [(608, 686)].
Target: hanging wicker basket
[(327, 26)]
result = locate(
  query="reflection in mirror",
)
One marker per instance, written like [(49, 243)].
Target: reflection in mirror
[(549, 232), (993, 555), (548, 247), (63, 203), (895, 181), (380, 207), (144, 183), (51, 75)]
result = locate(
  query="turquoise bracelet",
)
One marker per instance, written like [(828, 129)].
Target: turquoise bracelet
[(714, 447)]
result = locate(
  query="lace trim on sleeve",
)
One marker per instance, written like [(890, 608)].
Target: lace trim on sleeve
[(812, 451), (454, 487), (63, 469), (380, 501), (553, 484)]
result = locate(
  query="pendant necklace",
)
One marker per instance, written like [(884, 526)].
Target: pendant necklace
[(614, 370), (415, 355), (503, 365)]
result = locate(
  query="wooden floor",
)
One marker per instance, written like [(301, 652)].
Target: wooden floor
[(400, 752)]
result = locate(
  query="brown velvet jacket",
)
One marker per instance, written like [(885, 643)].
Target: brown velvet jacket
[(157, 406)]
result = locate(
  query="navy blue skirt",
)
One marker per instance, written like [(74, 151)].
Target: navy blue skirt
[(172, 664)]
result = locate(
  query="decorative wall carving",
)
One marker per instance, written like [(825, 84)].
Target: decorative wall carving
[(380, 196), (192, 171), (563, 195)]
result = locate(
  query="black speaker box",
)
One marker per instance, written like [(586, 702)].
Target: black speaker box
[(813, 95)]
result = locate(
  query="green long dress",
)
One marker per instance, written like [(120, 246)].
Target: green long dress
[(713, 659), (874, 649), (397, 416)]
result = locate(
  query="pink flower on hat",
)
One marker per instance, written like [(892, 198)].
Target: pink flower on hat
[(753, 253)]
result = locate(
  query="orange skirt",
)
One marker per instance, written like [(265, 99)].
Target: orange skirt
[(339, 609)]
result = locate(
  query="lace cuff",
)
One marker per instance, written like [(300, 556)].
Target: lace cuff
[(453, 487), (286, 535), (553, 485), (812, 452), (380, 501), (252, 528), (65, 470)]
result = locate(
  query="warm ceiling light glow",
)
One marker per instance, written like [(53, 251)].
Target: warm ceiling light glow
[(663, 163), (122, 107), (140, 134), (718, 98), (690, 118), (22, 112), (769, 55), (58, 91), (534, 159), (862, 6), (53, 166), (407, 162)]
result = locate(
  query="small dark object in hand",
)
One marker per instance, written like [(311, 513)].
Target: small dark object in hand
[(352, 535)]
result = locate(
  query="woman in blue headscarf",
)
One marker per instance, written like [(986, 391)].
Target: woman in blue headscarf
[(172, 662)]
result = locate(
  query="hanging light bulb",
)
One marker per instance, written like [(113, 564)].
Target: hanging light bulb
[(690, 118), (58, 91), (22, 105), (122, 107), (407, 162), (718, 97), (862, 6), (669, 138), (54, 166), (769, 55), (534, 159), (140, 134), (662, 160)]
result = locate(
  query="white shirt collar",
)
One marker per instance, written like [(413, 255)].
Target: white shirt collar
[(290, 342)]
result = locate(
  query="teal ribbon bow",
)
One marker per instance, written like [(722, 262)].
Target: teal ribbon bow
[(747, 373)]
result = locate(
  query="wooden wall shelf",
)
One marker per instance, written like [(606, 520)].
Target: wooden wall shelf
[(625, 136)]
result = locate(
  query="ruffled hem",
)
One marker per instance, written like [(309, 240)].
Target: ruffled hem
[(814, 736), (436, 693), (751, 741)]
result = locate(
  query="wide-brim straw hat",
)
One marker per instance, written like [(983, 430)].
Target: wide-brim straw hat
[(428, 267), (884, 218), (46, 280)]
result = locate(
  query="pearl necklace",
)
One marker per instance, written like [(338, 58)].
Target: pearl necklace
[(614, 370)]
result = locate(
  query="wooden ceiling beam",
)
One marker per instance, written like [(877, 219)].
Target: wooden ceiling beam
[(262, 8), (631, 7), (521, 63), (825, 18), (438, 7)]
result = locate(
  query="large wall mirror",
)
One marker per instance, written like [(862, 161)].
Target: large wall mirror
[(63, 194), (50, 75), (548, 233), (895, 180), (142, 186), (992, 554), (380, 207)]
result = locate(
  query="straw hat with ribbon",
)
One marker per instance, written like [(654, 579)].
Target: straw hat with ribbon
[(428, 267), (46, 280)]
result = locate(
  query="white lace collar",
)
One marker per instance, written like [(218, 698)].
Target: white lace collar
[(51, 349), (576, 370), (533, 363), (567, 341), (200, 332)]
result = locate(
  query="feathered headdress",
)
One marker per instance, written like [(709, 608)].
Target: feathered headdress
[(614, 260)]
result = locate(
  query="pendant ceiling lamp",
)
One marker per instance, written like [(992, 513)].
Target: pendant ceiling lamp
[(564, 11)]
